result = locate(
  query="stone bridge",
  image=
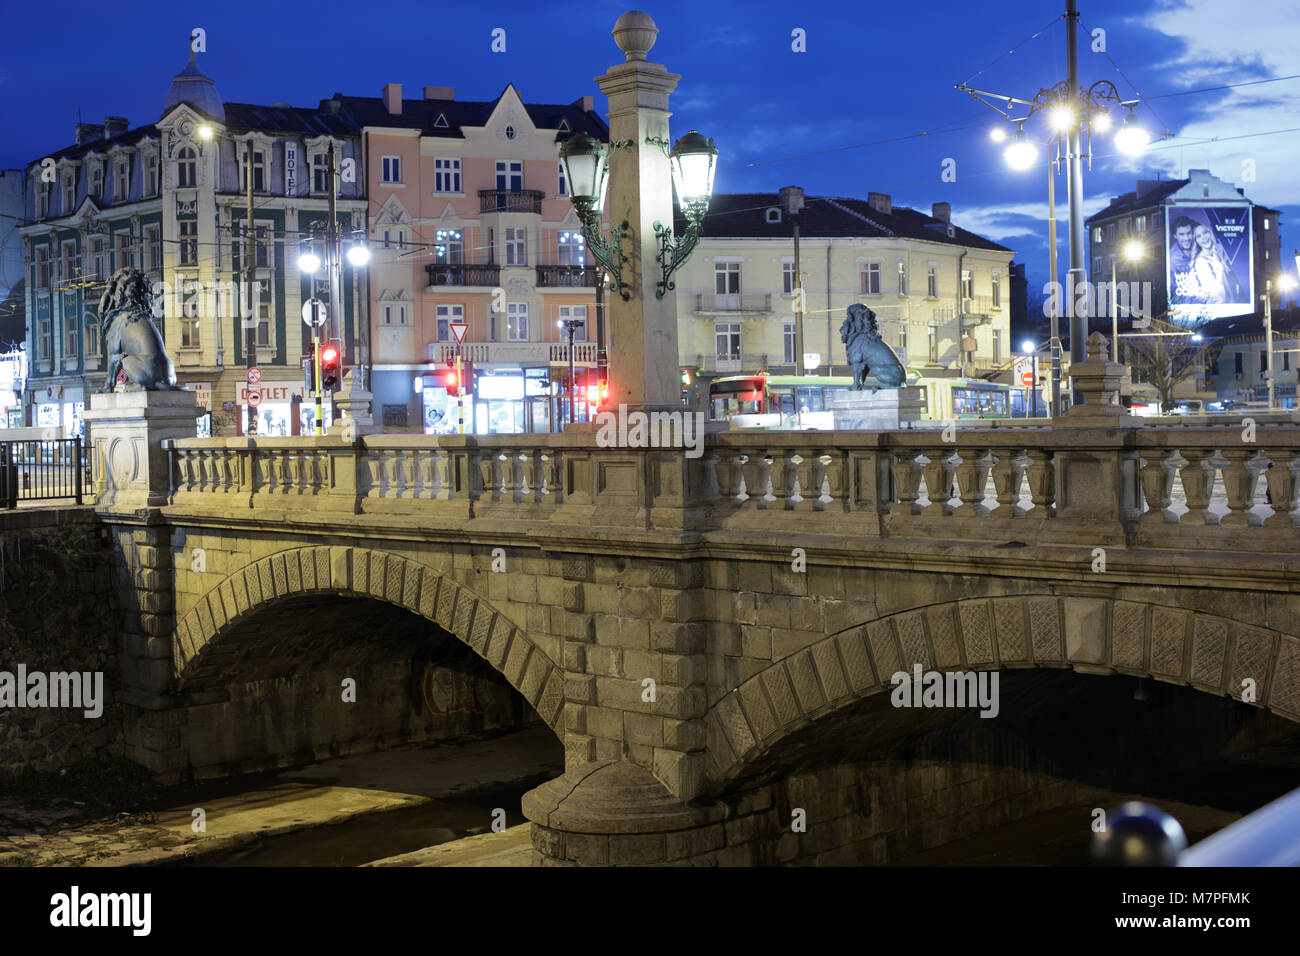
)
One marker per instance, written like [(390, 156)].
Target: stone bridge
[(712, 639)]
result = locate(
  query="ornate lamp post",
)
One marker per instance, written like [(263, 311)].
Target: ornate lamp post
[(635, 174)]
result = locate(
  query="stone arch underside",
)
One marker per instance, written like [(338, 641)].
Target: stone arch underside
[(377, 575), (1211, 653)]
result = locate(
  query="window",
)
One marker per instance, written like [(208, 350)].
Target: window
[(70, 325), (726, 278), (97, 180), (262, 247), (43, 200), (1140, 224), (98, 265), (448, 314), (997, 346), (788, 342), (932, 281), (1236, 363), (152, 248), (68, 264), (446, 175), (997, 290), (574, 312), (1096, 264), (773, 215), (510, 132), (395, 312), (263, 324), (1266, 224), (788, 284), (123, 180), (44, 339), (1096, 233), (1263, 360), (727, 339), (1266, 255), (563, 188), (449, 247), (870, 278), (902, 277), (1110, 231), (1286, 361), (902, 342), (189, 233), (517, 321), (42, 264), (1155, 223), (397, 237), (150, 176), (69, 191), (510, 175), (187, 168), (934, 345), (967, 284), (190, 316), (573, 249), (122, 250), (259, 171), (320, 173), (92, 337), (516, 250), (392, 169)]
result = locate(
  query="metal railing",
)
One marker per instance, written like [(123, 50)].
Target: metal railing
[(461, 273), (733, 302), (41, 470), (558, 276), (510, 200)]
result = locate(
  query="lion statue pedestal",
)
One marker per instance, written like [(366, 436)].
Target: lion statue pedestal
[(878, 411), (127, 431)]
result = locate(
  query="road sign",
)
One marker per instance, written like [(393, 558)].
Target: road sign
[(254, 397), (320, 312), (254, 375), (459, 329), (1027, 379)]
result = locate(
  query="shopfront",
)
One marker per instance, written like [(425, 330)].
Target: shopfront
[(282, 403)]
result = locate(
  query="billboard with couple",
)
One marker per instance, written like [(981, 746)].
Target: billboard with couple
[(1209, 262)]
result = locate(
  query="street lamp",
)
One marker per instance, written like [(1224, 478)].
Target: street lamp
[(308, 261), (1071, 111), (1021, 153), (1131, 252), (694, 161), (586, 170), (571, 326)]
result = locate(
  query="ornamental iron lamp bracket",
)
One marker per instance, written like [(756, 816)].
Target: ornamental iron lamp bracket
[(608, 252), (673, 252)]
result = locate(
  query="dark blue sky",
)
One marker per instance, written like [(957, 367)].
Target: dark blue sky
[(870, 73)]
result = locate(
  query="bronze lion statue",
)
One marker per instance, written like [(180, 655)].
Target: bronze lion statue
[(135, 346)]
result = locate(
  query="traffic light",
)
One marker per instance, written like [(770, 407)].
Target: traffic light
[(686, 378), (331, 361), (309, 375), (447, 379)]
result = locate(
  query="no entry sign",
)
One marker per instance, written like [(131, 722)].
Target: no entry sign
[(1027, 379), (254, 397)]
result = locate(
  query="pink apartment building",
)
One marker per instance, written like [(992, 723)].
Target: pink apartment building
[(470, 222)]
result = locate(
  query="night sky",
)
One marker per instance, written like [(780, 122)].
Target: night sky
[(871, 73)]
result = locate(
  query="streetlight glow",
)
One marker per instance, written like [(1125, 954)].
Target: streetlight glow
[(1101, 122), (205, 131), (1061, 118), (1286, 282), (1133, 251), (1027, 347), (358, 254), (309, 262), (1021, 154), (1131, 139), (998, 134)]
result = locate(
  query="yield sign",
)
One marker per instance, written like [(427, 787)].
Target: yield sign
[(459, 329)]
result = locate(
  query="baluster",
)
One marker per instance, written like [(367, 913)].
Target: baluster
[(266, 467), (819, 484), (1008, 476), (1282, 484), (939, 472), (375, 468), (972, 481), (710, 490), (1041, 475), (1240, 478), (523, 480), (739, 490), (1198, 484), (185, 462), (907, 470), (283, 466), (759, 478), (1157, 479), (793, 486), (439, 488)]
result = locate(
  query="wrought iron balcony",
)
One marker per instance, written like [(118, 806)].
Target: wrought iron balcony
[(757, 302), (463, 274), (566, 277), (510, 200)]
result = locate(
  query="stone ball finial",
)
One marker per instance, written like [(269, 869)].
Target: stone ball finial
[(635, 34)]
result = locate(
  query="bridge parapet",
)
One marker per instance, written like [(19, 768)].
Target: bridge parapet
[(1095, 486)]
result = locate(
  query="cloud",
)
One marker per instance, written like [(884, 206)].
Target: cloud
[(1007, 220)]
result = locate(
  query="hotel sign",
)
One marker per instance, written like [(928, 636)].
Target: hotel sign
[(290, 169)]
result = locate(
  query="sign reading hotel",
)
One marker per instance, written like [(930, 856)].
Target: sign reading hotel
[(290, 169)]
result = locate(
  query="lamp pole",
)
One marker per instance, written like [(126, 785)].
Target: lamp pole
[(1268, 336), (1078, 323), (250, 272), (1055, 331)]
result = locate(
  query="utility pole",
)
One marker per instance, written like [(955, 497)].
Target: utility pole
[(1268, 336), (250, 273), (332, 254)]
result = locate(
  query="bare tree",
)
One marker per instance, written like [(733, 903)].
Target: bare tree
[(1164, 354)]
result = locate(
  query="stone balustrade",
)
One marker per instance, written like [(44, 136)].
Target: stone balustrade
[(1037, 485)]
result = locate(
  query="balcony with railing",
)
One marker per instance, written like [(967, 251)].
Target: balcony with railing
[(463, 274), (515, 353), (511, 200), (566, 277), (753, 302)]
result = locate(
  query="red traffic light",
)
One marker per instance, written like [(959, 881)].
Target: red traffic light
[(329, 354), (451, 382), (331, 357)]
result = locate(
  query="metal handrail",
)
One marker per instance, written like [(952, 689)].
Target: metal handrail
[(1270, 836)]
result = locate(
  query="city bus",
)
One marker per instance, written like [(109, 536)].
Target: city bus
[(769, 401)]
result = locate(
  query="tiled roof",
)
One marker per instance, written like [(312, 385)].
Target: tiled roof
[(128, 138), (1130, 202), (744, 216), (320, 121), (423, 115)]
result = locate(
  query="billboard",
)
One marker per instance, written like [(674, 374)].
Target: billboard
[(1209, 262)]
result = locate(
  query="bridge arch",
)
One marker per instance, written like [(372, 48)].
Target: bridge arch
[(1090, 635), (377, 575)]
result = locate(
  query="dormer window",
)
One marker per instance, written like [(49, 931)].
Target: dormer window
[(97, 180), (123, 167), (510, 132), (259, 170), (773, 214), (69, 191), (564, 125), (441, 121)]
